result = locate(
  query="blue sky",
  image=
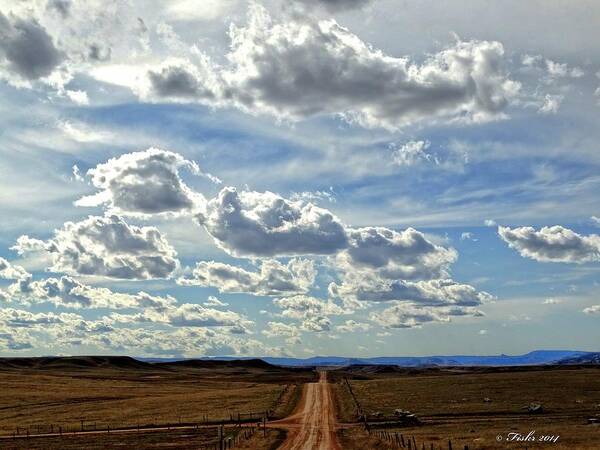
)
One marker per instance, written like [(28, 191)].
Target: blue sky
[(327, 177)]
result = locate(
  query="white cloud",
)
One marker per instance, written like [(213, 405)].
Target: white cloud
[(78, 97), (552, 244), (26, 319), (15, 339), (305, 68), (274, 278), (411, 153), (215, 302), (8, 271), (407, 316), (551, 104), (77, 173), (144, 183), (280, 329), (314, 196), (489, 223), (264, 224), (67, 292), (80, 132), (312, 313), (560, 70), (193, 315), (595, 220), (442, 292), (552, 301), (594, 309), (553, 69), (467, 236), (406, 254), (352, 326), (106, 246)]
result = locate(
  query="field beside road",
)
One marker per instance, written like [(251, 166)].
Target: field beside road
[(474, 406), (71, 403), (74, 394)]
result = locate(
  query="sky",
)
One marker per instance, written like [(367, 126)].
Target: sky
[(312, 177)]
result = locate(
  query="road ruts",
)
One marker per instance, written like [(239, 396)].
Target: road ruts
[(313, 424)]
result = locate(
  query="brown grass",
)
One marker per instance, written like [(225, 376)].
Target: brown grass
[(201, 439), (452, 406), (122, 398)]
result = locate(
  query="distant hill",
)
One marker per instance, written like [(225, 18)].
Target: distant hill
[(385, 363), (587, 358), (532, 358), (129, 363), (253, 363), (73, 362)]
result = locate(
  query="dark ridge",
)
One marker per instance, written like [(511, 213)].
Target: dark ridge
[(128, 363), (74, 362), (218, 363)]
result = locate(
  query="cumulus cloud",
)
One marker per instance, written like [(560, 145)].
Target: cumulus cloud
[(595, 220), (144, 183), (15, 339), (552, 244), (26, 319), (406, 254), (304, 68), (106, 246), (274, 278), (187, 315), (312, 313), (552, 68), (215, 302), (443, 292), (406, 316), (280, 329), (411, 153), (180, 79), (185, 341), (551, 104), (8, 271), (594, 309), (263, 224), (352, 326), (69, 293), (193, 315), (26, 49)]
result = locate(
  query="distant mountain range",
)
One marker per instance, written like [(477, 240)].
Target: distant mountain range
[(537, 357)]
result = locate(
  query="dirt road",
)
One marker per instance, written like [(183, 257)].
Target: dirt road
[(312, 425)]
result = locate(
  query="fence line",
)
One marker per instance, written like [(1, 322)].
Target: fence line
[(409, 442)]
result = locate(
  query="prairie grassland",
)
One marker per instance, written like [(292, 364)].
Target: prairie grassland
[(174, 439), (126, 398), (452, 406)]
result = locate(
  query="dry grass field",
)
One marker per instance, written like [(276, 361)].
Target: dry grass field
[(105, 394), (121, 392), (451, 405)]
